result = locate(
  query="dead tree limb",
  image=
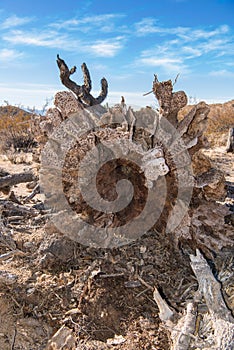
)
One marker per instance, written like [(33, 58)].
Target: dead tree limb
[(210, 288), (182, 328), (14, 179), (81, 91), (17, 208)]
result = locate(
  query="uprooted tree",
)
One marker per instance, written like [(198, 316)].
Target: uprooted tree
[(170, 175)]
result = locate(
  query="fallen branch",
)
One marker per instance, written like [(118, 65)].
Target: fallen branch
[(14, 179), (210, 288), (8, 255), (20, 209), (183, 328)]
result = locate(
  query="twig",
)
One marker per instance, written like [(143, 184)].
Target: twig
[(147, 93), (13, 339), (35, 191), (81, 91), (144, 283), (111, 275), (176, 78)]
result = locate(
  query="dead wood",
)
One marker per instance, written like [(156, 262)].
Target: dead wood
[(169, 102), (210, 288), (230, 141), (10, 254), (11, 207), (34, 192), (14, 179), (6, 239), (7, 278), (162, 151), (182, 328), (81, 91)]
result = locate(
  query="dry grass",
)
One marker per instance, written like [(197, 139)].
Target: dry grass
[(15, 134)]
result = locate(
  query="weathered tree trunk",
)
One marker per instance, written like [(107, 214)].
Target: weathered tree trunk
[(167, 155), (175, 189)]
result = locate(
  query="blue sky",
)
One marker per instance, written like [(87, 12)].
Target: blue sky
[(124, 41)]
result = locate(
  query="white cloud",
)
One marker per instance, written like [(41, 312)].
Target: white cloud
[(150, 25), (105, 48), (186, 45), (52, 39), (9, 55), (104, 22), (26, 94), (191, 52), (222, 73), (49, 39), (166, 63), (15, 21), (147, 26)]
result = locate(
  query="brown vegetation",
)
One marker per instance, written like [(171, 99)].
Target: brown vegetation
[(220, 120), (15, 132)]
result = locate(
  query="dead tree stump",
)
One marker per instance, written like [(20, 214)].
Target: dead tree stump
[(159, 150), (111, 175)]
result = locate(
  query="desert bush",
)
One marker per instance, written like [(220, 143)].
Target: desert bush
[(220, 120), (15, 134)]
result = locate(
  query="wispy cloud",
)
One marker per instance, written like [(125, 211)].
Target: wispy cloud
[(222, 73), (9, 55), (49, 39), (168, 64), (104, 23), (52, 39), (105, 48), (148, 26), (15, 21), (183, 46)]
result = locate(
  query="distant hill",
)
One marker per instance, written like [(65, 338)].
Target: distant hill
[(220, 119), (13, 111), (12, 116)]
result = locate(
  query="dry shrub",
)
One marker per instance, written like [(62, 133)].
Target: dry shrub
[(220, 120), (15, 134)]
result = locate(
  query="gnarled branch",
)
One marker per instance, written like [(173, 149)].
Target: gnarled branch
[(81, 91)]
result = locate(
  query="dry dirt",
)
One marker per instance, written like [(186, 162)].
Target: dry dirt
[(94, 298)]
